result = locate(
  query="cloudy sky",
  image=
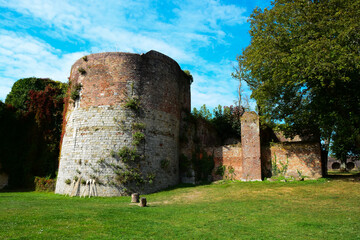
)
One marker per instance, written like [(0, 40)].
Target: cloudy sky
[(43, 38)]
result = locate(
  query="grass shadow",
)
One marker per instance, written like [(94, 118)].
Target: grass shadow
[(345, 176), (11, 190)]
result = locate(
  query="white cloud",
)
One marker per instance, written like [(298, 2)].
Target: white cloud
[(25, 56), (208, 16), (218, 87), (193, 22), (129, 26)]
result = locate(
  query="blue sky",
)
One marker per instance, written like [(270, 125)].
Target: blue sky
[(43, 38)]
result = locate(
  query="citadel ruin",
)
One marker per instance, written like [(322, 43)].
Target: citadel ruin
[(126, 128)]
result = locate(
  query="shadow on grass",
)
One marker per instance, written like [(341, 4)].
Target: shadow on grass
[(10, 190), (345, 176)]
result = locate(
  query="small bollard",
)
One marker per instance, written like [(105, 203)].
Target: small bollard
[(142, 202), (135, 197)]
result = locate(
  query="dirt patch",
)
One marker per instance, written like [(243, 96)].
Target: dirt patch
[(184, 198)]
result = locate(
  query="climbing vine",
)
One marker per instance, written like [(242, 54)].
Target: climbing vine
[(202, 163), (279, 168), (125, 162)]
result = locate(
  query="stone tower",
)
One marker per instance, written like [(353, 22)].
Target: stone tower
[(122, 122)]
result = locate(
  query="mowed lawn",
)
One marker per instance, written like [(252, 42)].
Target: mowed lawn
[(235, 210)]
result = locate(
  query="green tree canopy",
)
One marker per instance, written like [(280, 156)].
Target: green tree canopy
[(19, 94), (303, 66), (31, 130)]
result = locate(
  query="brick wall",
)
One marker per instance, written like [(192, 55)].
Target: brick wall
[(228, 160), (197, 136), (98, 124), (249, 160), (301, 158)]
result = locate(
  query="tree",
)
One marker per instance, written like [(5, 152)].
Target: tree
[(31, 130), (19, 94), (303, 67), (226, 120), (203, 113)]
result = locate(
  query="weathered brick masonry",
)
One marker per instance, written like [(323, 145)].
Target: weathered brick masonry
[(254, 156), (99, 131), (228, 157), (250, 139), (98, 125), (302, 159)]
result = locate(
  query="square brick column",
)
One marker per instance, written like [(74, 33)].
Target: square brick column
[(251, 149)]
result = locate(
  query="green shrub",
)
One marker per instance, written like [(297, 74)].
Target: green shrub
[(138, 126), (189, 76), (124, 177), (151, 177), (44, 184), (138, 137), (220, 170), (132, 103), (127, 176), (276, 170), (127, 154)]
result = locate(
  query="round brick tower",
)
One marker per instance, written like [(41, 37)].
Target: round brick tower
[(121, 124)]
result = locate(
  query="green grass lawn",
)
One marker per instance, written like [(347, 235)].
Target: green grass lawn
[(254, 210)]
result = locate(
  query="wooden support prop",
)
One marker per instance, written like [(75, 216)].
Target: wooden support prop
[(135, 197), (91, 189), (142, 202), (76, 188), (86, 187), (70, 188)]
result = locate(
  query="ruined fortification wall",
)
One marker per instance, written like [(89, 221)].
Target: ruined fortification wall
[(253, 158), (300, 159), (99, 135), (128, 123), (228, 161), (197, 137)]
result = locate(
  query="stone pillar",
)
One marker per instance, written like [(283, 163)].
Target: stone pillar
[(251, 149), (142, 202), (135, 197)]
